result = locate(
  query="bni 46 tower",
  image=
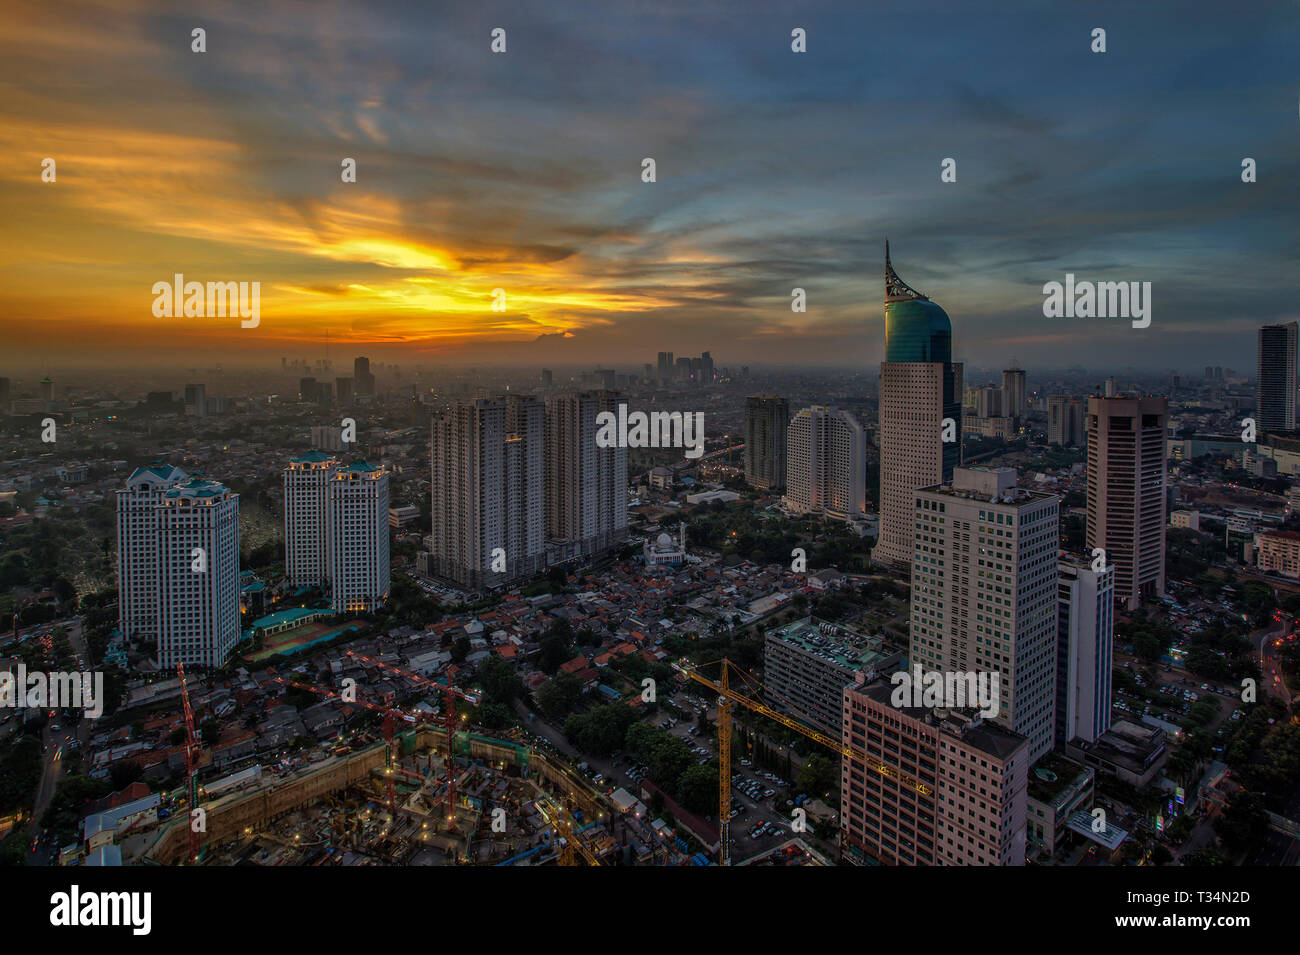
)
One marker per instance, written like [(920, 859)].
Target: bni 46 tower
[(920, 386)]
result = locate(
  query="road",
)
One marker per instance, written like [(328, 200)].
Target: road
[(1262, 641), (56, 746)]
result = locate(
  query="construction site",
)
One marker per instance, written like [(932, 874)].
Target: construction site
[(431, 793), (504, 804)]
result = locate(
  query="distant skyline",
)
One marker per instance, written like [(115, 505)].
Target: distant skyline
[(522, 171)]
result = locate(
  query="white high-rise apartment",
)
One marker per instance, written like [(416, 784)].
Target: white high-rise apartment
[(356, 507), (920, 390), (586, 486), (1126, 492), (1085, 645), (198, 574), (826, 464), (984, 591), (305, 539), (487, 489), (137, 548)]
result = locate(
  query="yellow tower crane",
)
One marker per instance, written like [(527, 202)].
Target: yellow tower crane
[(726, 697)]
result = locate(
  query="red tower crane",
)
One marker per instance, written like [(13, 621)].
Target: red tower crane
[(391, 713), (191, 763), (450, 695)]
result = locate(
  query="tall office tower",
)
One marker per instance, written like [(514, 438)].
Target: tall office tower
[(978, 773), (4, 395), (1084, 645), (1126, 492), (548, 378), (984, 592), (683, 369), (647, 373), (47, 392), (1111, 391), (586, 485), (826, 464), (137, 548), (306, 561), (767, 420), (356, 534), (706, 369), (307, 389), (1013, 393), (1276, 398), (196, 400), (606, 378), (920, 387), (665, 365), (487, 488), (1066, 420), (343, 388), (198, 574), (988, 402), (363, 382)]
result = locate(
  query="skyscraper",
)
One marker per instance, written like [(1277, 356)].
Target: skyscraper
[(305, 532), (920, 389), (1084, 649), (665, 365), (586, 485), (363, 382), (984, 589), (197, 548), (826, 464), (343, 388), (1013, 393), (487, 489), (196, 400), (979, 773), (137, 548), (1065, 420), (767, 419), (356, 510), (1126, 492), (1276, 398)]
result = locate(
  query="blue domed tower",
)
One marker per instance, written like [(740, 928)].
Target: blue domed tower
[(916, 329), (920, 412)]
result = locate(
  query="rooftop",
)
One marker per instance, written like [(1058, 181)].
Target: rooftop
[(832, 642), (965, 724)]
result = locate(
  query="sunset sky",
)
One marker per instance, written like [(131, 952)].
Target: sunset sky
[(522, 171)]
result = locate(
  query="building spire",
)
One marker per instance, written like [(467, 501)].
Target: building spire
[(896, 290)]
